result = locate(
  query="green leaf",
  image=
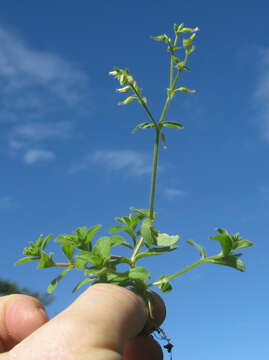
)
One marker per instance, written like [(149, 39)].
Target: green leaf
[(242, 243), (46, 241), (39, 241), (26, 259), (143, 212), (68, 239), (231, 260), (92, 231), (117, 278), (172, 124), (225, 242), (102, 247), (165, 286), (222, 231), (68, 250), (167, 240), (53, 284), (119, 240), (139, 273), (116, 229), (116, 240), (155, 251), (119, 260), (124, 220), (46, 260), (85, 257), (85, 236), (81, 283), (143, 125), (148, 232), (200, 248)]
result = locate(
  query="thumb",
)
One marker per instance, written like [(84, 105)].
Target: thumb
[(96, 326)]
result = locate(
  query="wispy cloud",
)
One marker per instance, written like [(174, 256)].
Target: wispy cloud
[(32, 79), (37, 155), (261, 93), (29, 140), (133, 162), (36, 87), (6, 202), (29, 134), (172, 193)]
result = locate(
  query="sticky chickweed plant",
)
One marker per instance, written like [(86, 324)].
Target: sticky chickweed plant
[(97, 258)]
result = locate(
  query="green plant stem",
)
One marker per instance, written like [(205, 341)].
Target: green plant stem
[(154, 173), (172, 62), (136, 250), (174, 83), (144, 105), (63, 265), (181, 272)]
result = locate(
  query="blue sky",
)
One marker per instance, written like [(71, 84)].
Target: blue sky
[(68, 157)]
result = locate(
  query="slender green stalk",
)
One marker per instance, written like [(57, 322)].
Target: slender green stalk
[(136, 249), (181, 272), (144, 105), (172, 63), (154, 173)]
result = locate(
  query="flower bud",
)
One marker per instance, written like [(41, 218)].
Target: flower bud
[(127, 100), (179, 28), (189, 30), (183, 89), (122, 79), (160, 38), (124, 89)]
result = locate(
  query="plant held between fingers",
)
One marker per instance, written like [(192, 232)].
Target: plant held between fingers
[(97, 259)]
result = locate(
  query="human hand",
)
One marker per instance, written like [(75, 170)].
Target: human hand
[(103, 323)]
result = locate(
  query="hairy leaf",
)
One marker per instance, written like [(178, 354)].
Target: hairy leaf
[(102, 247), (53, 284), (148, 232), (139, 273), (45, 241), (81, 283), (167, 240), (155, 251), (26, 259), (85, 257), (46, 260), (68, 250), (116, 229), (225, 243), (231, 260), (119, 240)]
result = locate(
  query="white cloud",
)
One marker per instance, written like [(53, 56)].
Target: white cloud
[(6, 202), (133, 162), (36, 88), (261, 93), (28, 134), (36, 155), (172, 193), (31, 78)]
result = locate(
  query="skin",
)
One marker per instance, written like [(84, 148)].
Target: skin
[(106, 322)]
